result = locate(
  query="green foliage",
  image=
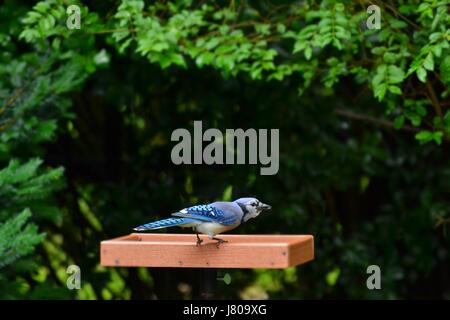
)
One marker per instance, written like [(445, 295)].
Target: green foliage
[(23, 187), (102, 100), (17, 240), (174, 33), (32, 85), (426, 136), (21, 183)]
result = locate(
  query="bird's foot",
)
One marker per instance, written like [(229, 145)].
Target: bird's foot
[(199, 241), (219, 242)]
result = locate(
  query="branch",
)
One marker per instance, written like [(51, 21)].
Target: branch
[(377, 121), (11, 100), (434, 100)]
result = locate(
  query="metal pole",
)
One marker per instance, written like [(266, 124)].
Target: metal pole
[(208, 283)]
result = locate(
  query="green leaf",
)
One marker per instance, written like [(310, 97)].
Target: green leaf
[(308, 53), (427, 136), (435, 36), (32, 17), (42, 7), (421, 74), (415, 119), (333, 276), (424, 136), (399, 122), (178, 60), (420, 110), (444, 70), (395, 90), (396, 75), (437, 137), (429, 62), (397, 24), (211, 43), (204, 59), (262, 28), (281, 28), (255, 73), (339, 7), (380, 91), (227, 193), (390, 57)]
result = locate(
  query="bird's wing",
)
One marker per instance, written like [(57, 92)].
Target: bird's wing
[(208, 213), (166, 223)]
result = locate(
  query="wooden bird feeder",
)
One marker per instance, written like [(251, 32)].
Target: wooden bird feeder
[(181, 251)]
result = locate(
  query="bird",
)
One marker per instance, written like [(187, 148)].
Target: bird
[(212, 219)]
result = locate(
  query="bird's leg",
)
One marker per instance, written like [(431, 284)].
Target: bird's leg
[(199, 241), (219, 241)]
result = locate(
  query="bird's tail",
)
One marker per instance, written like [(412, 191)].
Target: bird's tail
[(170, 222)]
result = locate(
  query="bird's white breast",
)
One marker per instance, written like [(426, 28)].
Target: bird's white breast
[(213, 228)]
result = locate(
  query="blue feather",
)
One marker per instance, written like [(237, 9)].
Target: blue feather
[(207, 213), (165, 223)]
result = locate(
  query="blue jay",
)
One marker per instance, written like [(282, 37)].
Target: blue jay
[(211, 219)]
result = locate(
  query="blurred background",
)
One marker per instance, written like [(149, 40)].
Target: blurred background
[(86, 117)]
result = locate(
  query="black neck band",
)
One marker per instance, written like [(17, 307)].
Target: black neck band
[(244, 210)]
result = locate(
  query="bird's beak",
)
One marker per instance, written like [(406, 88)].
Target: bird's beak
[(264, 207)]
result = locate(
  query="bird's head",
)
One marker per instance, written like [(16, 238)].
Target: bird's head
[(251, 207)]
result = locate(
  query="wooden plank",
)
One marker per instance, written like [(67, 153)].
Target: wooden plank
[(180, 251)]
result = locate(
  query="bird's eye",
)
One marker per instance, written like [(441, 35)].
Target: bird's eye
[(254, 204)]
